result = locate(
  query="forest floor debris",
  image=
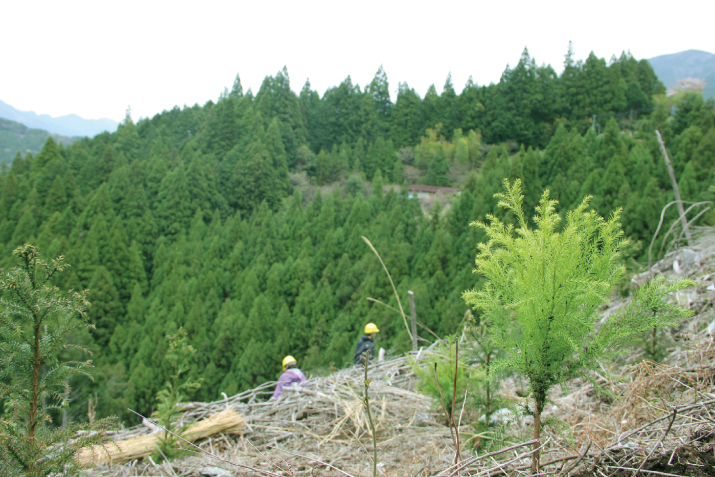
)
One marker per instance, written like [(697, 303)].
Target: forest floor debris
[(635, 416), (226, 422)]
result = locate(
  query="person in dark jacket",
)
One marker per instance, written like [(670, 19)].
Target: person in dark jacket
[(365, 344)]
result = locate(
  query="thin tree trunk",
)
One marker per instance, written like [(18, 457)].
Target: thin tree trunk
[(65, 413), (537, 435), (489, 397), (675, 189), (36, 364), (413, 316)]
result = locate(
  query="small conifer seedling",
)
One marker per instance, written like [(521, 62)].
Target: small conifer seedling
[(35, 320), (543, 290), (179, 357)]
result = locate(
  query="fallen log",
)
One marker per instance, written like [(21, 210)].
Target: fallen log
[(118, 452)]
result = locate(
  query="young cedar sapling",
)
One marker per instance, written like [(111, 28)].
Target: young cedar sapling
[(443, 355), (35, 322), (169, 399), (543, 290), (484, 352)]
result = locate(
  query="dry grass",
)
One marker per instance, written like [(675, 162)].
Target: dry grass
[(660, 416), (126, 450)]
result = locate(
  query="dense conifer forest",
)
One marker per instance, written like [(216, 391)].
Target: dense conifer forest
[(241, 220)]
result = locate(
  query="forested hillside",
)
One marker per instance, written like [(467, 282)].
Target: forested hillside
[(15, 137), (212, 218)]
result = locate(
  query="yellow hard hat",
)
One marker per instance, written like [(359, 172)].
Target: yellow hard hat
[(287, 360), (371, 328)]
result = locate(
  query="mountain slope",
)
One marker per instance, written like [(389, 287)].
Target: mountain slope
[(241, 220), (686, 64), (16, 137), (70, 125)]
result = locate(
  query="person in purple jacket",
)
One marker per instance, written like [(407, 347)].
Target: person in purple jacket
[(291, 374)]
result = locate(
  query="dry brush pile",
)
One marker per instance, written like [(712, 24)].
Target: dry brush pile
[(634, 417), (326, 418)]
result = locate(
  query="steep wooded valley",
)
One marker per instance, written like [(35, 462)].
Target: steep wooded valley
[(241, 220)]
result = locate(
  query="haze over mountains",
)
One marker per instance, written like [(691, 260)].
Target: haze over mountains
[(686, 64), (26, 131), (70, 125)]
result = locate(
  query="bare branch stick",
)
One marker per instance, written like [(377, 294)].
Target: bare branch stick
[(675, 413), (454, 397), (366, 402), (672, 227), (675, 188), (680, 409), (260, 471), (692, 221), (472, 460), (580, 459), (399, 303), (644, 471), (397, 311), (660, 224), (551, 462), (525, 454), (311, 459), (459, 424), (444, 408)]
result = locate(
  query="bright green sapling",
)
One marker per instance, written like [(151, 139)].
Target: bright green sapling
[(169, 399), (544, 286)]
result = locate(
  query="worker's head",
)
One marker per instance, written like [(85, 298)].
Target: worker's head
[(371, 329), (289, 362)]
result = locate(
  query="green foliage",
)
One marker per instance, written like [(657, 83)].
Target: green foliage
[(35, 323), (483, 354), (469, 378), (223, 220), (179, 357), (544, 287), (16, 137)]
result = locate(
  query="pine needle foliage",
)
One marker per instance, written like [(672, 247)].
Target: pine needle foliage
[(35, 320), (179, 357), (544, 287)]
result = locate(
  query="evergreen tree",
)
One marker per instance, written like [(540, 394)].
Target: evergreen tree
[(106, 164), (544, 288), (309, 105), (276, 99), (438, 168), (37, 320), (173, 211), (407, 120), (236, 89), (191, 214), (379, 92), (128, 142), (107, 309)]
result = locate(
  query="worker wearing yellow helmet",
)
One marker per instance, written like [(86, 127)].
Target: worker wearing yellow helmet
[(291, 374), (365, 344)]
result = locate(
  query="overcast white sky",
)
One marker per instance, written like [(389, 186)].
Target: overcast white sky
[(95, 58)]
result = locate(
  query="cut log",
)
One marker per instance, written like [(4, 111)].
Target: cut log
[(226, 422)]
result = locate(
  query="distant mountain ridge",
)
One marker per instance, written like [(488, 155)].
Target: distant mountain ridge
[(70, 125), (686, 64), (16, 137)]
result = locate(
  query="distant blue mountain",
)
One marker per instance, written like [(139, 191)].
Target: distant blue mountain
[(70, 125), (686, 64)]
